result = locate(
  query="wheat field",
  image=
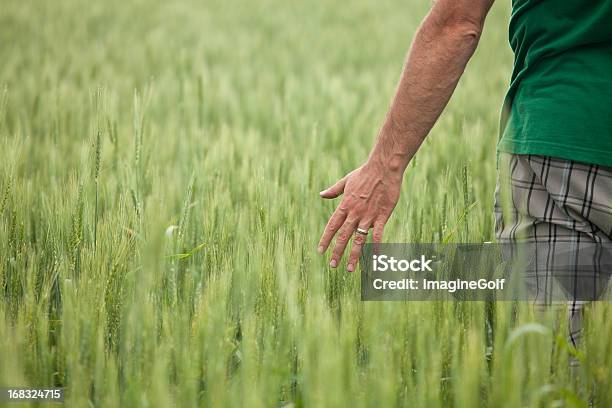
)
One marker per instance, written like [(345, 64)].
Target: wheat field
[(160, 164)]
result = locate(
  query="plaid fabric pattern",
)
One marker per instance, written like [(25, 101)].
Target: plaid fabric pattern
[(556, 202)]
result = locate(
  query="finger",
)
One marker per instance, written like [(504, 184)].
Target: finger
[(343, 237), (335, 190), (377, 233), (358, 241), (333, 225)]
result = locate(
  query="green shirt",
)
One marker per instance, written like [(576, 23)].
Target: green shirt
[(560, 98)]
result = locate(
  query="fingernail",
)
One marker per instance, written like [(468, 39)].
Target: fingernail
[(350, 267), (320, 249), (321, 192), (333, 263)]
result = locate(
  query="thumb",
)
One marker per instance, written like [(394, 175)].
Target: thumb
[(335, 190)]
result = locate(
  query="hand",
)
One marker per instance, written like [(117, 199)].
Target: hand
[(370, 195)]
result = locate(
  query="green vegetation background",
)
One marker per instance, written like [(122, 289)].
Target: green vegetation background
[(160, 164)]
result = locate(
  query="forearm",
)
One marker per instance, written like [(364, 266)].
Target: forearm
[(435, 63), (442, 47)]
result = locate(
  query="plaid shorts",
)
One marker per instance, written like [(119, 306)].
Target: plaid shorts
[(552, 200), (561, 204)]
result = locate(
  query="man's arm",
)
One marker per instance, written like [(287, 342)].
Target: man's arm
[(442, 46)]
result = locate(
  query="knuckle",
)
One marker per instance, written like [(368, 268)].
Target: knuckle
[(359, 239), (346, 234), (333, 219), (352, 219), (343, 208), (337, 222)]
